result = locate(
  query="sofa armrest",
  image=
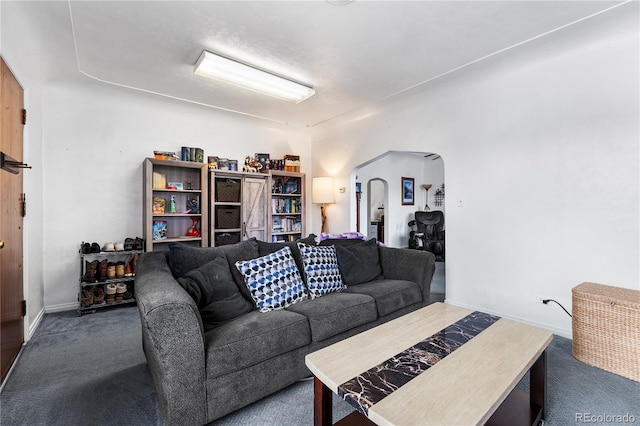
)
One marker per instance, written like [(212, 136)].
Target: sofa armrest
[(173, 341), (411, 265)]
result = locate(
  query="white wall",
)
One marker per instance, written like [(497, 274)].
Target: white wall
[(541, 145), (96, 138)]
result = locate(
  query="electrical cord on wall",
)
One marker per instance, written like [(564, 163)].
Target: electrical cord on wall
[(546, 301)]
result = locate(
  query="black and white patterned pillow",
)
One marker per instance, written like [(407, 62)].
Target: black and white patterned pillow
[(321, 269), (273, 280)]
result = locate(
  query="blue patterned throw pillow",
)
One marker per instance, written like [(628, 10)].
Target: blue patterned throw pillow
[(321, 269), (273, 280)]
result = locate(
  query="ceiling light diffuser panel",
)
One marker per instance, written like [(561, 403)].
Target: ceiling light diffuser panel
[(233, 72)]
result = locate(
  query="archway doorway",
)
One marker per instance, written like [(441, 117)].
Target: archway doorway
[(378, 190), (388, 170)]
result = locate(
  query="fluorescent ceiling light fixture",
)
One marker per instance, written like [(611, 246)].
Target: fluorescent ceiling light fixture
[(233, 72)]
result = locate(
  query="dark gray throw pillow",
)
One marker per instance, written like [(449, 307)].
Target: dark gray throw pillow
[(359, 263), (212, 288), (184, 258)]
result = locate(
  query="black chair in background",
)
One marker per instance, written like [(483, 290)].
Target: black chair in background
[(428, 233)]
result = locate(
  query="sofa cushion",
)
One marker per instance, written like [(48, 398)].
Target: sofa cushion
[(273, 280), (252, 338), (390, 295), (321, 269), (184, 258), (212, 288), (359, 263), (335, 313)]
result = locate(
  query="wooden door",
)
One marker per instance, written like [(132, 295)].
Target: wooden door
[(254, 206), (11, 294)]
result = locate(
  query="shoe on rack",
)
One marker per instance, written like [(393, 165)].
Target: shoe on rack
[(108, 247), (98, 294), (128, 272), (85, 248), (86, 298), (121, 289), (118, 246), (138, 244), (101, 275), (120, 269), (128, 244), (128, 294), (111, 271), (134, 264), (90, 271), (95, 248)]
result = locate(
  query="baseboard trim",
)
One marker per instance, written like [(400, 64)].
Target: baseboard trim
[(61, 307), (560, 332), (34, 325)]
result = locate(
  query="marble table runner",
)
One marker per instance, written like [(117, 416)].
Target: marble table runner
[(370, 387)]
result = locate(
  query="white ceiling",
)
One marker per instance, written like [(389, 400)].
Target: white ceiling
[(353, 55)]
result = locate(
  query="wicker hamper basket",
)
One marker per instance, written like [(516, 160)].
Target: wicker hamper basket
[(606, 328)]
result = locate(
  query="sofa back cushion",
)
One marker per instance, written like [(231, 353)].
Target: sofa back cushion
[(359, 263), (212, 288), (340, 242)]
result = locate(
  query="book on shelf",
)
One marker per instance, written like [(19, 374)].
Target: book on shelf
[(286, 224), (287, 205), (159, 180)]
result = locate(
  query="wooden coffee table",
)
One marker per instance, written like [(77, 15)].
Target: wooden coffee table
[(439, 365)]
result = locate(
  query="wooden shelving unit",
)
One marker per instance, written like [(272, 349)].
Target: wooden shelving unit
[(287, 204), (165, 226)]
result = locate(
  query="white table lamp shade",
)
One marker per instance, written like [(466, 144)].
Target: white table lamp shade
[(322, 190)]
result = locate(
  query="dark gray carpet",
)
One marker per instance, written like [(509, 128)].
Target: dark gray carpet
[(438, 283), (90, 370)]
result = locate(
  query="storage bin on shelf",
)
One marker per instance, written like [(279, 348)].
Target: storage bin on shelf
[(228, 190), (227, 238), (606, 328), (228, 218)]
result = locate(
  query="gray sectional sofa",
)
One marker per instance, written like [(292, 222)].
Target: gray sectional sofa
[(211, 354)]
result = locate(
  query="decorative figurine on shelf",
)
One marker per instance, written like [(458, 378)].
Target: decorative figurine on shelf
[(193, 229), (251, 165), (193, 205), (172, 205)]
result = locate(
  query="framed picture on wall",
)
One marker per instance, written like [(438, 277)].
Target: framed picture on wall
[(408, 186)]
